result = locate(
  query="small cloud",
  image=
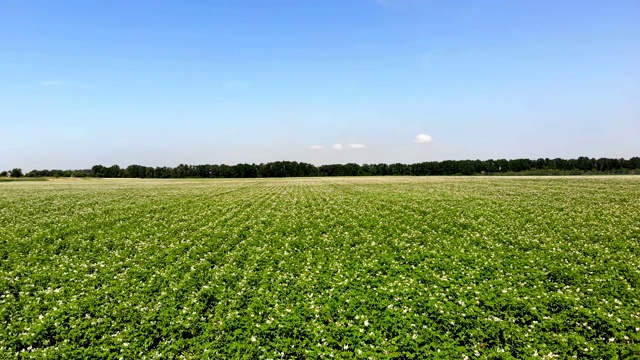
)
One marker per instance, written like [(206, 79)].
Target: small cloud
[(423, 139), (356, 146), (316, 147), (62, 84), (338, 146)]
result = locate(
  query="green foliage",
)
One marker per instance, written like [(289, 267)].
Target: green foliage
[(407, 268), (16, 173)]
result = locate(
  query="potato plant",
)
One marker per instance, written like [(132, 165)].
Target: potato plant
[(363, 268)]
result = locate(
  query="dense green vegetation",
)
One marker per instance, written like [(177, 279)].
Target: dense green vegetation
[(393, 267), (581, 165)]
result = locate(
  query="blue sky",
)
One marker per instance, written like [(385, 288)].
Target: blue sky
[(160, 83)]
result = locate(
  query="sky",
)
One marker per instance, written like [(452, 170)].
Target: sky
[(159, 83)]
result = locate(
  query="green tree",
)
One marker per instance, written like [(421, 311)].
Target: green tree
[(99, 171), (16, 173)]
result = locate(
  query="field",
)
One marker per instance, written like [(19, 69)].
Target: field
[(392, 267)]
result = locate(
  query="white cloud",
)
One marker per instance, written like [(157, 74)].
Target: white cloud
[(356, 146), (338, 146), (316, 147), (423, 138)]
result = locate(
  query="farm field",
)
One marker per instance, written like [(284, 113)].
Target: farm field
[(383, 267)]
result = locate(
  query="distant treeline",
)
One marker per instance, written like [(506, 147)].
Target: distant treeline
[(581, 165)]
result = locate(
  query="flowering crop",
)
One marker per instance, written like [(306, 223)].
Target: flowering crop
[(375, 268)]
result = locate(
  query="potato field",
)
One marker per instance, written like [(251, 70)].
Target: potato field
[(321, 268)]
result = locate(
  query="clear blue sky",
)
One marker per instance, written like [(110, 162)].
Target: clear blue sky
[(166, 82)]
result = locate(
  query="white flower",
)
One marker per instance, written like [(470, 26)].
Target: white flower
[(253, 339)]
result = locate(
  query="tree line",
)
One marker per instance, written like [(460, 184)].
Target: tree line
[(581, 165)]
